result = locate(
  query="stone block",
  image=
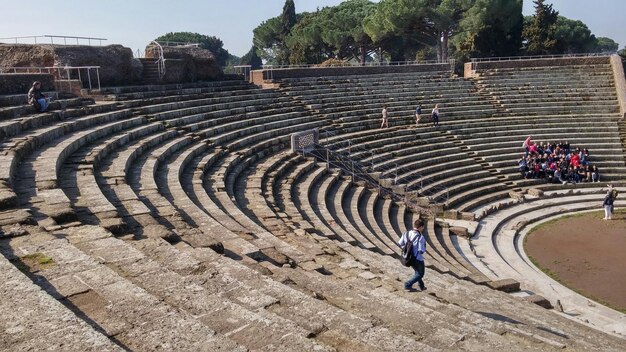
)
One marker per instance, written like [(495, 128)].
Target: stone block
[(459, 231), (535, 192), (451, 214), (504, 285), (436, 208), (468, 216), (199, 240), (516, 195), (538, 300), (423, 201), (62, 214)]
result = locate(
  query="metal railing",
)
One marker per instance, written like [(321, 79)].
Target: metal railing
[(358, 64), (51, 38), (172, 43), (358, 163), (402, 175), (160, 59), (533, 57), (62, 73), (243, 70), (269, 69)]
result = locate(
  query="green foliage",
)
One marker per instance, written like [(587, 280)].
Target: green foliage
[(540, 32), (214, 44), (490, 28), (573, 36), (268, 39), (605, 45), (251, 58), (288, 18), (342, 29)]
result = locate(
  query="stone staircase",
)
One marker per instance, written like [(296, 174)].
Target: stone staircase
[(150, 71), (173, 217)]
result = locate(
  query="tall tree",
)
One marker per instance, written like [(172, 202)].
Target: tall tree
[(305, 42), (573, 36), (251, 58), (425, 22), (269, 41), (605, 45), (214, 44), (540, 33), (343, 29), (288, 18), (490, 28)]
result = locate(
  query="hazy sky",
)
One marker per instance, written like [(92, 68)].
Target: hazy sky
[(134, 23)]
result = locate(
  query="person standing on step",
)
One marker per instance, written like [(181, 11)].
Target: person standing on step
[(419, 248), (36, 98), (435, 115), (609, 199), (385, 122), (418, 114)]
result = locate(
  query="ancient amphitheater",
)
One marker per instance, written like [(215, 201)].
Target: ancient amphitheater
[(176, 217)]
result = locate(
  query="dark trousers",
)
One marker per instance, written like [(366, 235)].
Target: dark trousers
[(418, 266)]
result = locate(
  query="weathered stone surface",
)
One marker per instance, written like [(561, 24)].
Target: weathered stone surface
[(516, 195), (504, 285), (535, 192), (115, 61), (20, 83), (469, 216), (459, 231), (538, 300), (451, 214), (187, 63)]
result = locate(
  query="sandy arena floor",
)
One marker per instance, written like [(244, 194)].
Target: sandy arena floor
[(585, 253)]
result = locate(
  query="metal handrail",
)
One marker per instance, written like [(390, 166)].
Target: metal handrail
[(160, 60), (60, 73), (411, 186), (534, 57), (51, 37), (172, 43), (357, 64), (358, 173)]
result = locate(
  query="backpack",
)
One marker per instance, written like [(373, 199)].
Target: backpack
[(614, 194), (407, 251)]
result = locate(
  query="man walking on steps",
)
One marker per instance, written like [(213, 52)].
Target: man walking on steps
[(419, 248)]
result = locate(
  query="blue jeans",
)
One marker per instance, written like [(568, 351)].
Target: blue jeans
[(419, 268), (43, 103)]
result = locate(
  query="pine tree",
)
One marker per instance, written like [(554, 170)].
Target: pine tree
[(540, 33), (288, 18)]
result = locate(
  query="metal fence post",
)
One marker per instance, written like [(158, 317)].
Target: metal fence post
[(327, 159)]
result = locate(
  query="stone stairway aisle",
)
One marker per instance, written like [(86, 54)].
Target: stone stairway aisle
[(484, 92), (150, 71)]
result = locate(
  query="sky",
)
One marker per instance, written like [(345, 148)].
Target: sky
[(134, 23)]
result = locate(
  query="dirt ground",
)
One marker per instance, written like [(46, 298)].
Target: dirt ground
[(586, 254)]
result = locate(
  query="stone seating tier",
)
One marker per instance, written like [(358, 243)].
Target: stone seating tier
[(176, 173)]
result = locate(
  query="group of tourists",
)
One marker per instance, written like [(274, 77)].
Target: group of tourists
[(557, 163), (434, 115)]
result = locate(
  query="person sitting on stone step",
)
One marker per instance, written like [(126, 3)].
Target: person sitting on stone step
[(36, 98)]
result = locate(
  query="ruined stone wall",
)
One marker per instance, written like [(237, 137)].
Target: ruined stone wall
[(187, 64), (18, 83), (117, 65)]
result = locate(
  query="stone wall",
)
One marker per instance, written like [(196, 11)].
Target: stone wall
[(258, 76), (560, 61), (117, 65), (620, 82), (187, 64), (18, 83)]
